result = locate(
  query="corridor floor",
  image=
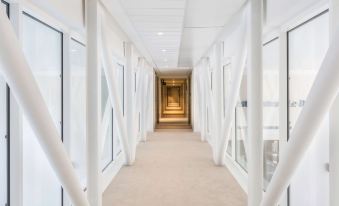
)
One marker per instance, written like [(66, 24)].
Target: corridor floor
[(174, 169)]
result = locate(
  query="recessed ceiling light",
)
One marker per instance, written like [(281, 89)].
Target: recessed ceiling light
[(164, 50), (160, 33)]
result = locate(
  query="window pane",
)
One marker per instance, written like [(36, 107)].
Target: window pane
[(270, 109), (78, 109), (43, 49), (120, 79), (3, 131), (106, 124), (226, 88), (307, 47), (241, 124)]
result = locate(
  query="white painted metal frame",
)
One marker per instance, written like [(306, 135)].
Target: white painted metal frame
[(18, 75)]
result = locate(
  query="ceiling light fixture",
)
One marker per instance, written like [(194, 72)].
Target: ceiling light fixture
[(164, 50), (160, 33)]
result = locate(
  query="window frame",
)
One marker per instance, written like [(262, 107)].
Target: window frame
[(287, 78)]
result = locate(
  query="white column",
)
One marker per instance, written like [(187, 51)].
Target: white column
[(217, 98), (16, 141), (203, 81), (326, 86), (255, 107), (93, 106), (334, 118), (129, 109), (24, 88)]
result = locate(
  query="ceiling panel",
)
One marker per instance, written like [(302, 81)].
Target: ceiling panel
[(204, 20), (159, 24), (188, 28)]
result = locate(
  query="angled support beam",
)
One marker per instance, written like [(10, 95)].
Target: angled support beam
[(255, 106), (113, 95), (318, 104), (18, 75), (239, 65)]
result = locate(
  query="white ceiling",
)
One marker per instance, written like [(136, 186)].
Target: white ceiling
[(189, 28)]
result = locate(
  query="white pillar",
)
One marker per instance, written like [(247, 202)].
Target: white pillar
[(24, 88), (129, 109), (16, 141), (217, 98), (93, 106), (326, 86), (334, 118), (255, 106)]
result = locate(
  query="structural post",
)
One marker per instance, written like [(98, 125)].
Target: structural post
[(334, 118), (255, 108), (16, 138), (217, 98), (129, 109), (93, 106)]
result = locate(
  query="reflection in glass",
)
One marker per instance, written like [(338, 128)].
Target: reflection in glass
[(270, 108), (42, 46)]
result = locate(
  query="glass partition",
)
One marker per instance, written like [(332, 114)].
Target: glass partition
[(106, 124), (241, 124), (42, 46), (78, 109), (307, 46), (226, 70), (270, 108), (120, 75)]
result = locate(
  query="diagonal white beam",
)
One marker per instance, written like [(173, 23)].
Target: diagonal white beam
[(317, 106), (239, 64), (113, 94), (18, 75)]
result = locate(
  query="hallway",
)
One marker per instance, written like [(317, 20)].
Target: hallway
[(174, 168)]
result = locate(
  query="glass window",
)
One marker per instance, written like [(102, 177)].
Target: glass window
[(3, 131), (121, 82), (106, 124), (226, 86), (42, 46), (241, 124), (230, 143), (78, 109), (270, 108), (307, 46)]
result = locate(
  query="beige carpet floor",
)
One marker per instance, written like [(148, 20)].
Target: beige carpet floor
[(174, 169)]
